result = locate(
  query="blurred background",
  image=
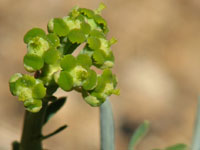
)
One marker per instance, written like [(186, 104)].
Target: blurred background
[(157, 64)]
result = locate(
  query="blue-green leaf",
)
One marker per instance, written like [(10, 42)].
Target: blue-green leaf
[(177, 147), (138, 135)]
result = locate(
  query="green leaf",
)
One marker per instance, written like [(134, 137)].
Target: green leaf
[(107, 126), (76, 36), (51, 56), (65, 81), (60, 28), (97, 33), (53, 40), (91, 81), (101, 83), (177, 147), (68, 62), (53, 108), (33, 62), (33, 105), (138, 135), (84, 60), (100, 21), (52, 89), (55, 132), (85, 27), (107, 75), (33, 33), (39, 91), (87, 12), (98, 57), (94, 43)]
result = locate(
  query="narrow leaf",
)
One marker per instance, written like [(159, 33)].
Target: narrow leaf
[(55, 132), (177, 147), (196, 134), (107, 126), (138, 134), (53, 108)]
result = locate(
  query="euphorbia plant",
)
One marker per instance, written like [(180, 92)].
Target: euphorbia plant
[(51, 59)]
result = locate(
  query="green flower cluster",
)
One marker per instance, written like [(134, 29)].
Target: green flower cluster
[(29, 90), (50, 57)]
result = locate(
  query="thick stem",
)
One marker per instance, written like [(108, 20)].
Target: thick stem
[(32, 130), (107, 126)]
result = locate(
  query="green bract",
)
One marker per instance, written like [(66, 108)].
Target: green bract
[(50, 56)]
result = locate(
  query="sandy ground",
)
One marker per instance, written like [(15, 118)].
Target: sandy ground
[(157, 62)]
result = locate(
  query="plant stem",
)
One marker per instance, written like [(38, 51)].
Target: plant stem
[(107, 126), (32, 130)]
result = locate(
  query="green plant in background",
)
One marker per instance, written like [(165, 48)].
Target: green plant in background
[(50, 57)]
